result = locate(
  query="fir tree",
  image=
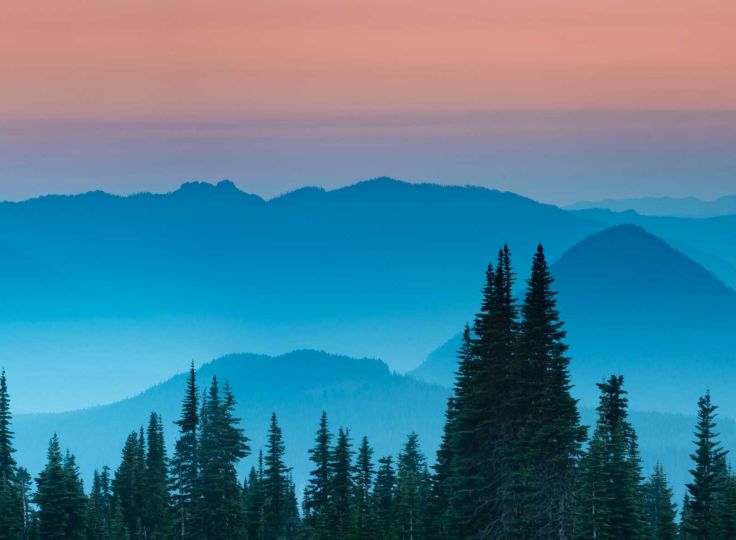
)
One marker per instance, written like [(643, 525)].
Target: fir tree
[(548, 435), (254, 501), (11, 510), (384, 497), (185, 461), (411, 519), (129, 484), (341, 487), (275, 485), (217, 508), (610, 502), (156, 519), (363, 526), (708, 476), (75, 499), (317, 492), (660, 509)]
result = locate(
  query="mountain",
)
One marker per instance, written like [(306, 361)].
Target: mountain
[(362, 394), (634, 305), (148, 282), (688, 207)]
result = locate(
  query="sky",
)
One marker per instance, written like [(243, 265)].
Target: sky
[(556, 99)]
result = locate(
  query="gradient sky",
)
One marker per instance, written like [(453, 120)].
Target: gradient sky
[(142, 95)]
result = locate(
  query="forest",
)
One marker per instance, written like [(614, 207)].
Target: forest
[(514, 462)]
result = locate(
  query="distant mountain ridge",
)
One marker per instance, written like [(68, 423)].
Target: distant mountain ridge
[(686, 207)]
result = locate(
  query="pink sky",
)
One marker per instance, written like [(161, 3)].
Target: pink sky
[(220, 59)]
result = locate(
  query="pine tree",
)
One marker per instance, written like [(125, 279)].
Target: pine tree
[(384, 498), (547, 435), (156, 518), (185, 461), (254, 502), (316, 494), (76, 501), (442, 480), (60, 497), (411, 520), (99, 507), (482, 422), (217, 509), (661, 511), (275, 485), (363, 473), (708, 476), (118, 528), (11, 511), (129, 484), (610, 501), (340, 487)]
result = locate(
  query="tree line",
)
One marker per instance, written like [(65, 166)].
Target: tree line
[(514, 461)]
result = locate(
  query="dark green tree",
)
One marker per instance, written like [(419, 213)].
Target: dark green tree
[(384, 498), (411, 518), (708, 483), (610, 499), (547, 435), (254, 502), (363, 473), (660, 510), (217, 512), (275, 485), (129, 484), (156, 516), (341, 487), (11, 509), (184, 464), (76, 501), (317, 492)]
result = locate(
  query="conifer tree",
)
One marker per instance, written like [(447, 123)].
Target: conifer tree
[(99, 507), (118, 528), (253, 502), (660, 510), (317, 492), (610, 501), (185, 459), (708, 476), (363, 526), (548, 435), (75, 499), (156, 518), (341, 486), (217, 509), (411, 520), (11, 511), (275, 485), (384, 498), (129, 484)]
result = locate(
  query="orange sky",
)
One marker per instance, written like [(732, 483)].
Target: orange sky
[(226, 58)]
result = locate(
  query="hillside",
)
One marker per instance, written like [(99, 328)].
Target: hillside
[(634, 305), (361, 394), (688, 207), (358, 393)]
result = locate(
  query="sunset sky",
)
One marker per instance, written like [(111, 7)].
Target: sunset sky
[(141, 94)]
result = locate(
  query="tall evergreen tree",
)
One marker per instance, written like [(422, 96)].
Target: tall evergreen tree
[(411, 520), (384, 498), (482, 422), (547, 435), (610, 501), (708, 476), (156, 517), (129, 484), (341, 487), (217, 508), (363, 473), (317, 492), (11, 510), (184, 464), (99, 507), (660, 510), (275, 485), (254, 502), (60, 497)]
